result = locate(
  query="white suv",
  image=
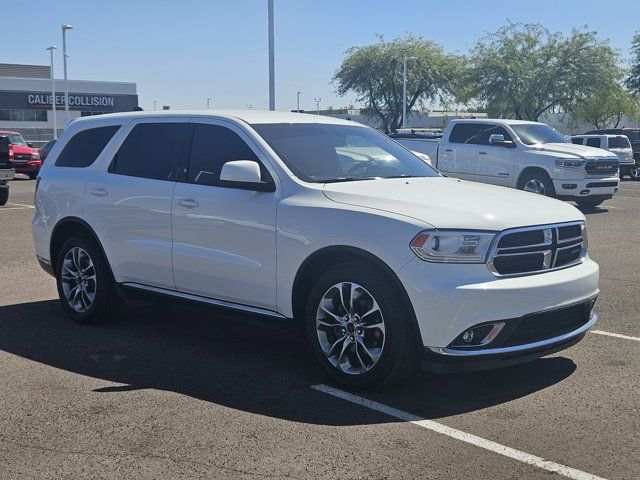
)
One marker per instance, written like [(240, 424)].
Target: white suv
[(328, 222)]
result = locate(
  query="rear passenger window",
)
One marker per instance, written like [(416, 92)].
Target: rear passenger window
[(84, 147), (212, 147), (152, 150), (593, 142), (466, 132), (577, 141)]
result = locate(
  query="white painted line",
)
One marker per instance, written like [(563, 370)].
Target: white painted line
[(21, 205), (460, 435), (14, 208), (615, 335)]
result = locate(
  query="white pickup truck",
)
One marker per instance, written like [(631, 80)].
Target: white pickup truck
[(530, 156)]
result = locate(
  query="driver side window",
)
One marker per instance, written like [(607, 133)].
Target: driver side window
[(483, 135)]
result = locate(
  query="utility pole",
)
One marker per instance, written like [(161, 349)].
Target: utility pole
[(53, 94), (404, 89), (65, 27), (317, 100), (299, 102), (272, 75)]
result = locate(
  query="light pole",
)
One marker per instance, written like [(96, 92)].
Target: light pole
[(272, 75), (65, 27), (317, 100), (404, 89), (299, 102), (209, 100), (155, 104), (53, 94)]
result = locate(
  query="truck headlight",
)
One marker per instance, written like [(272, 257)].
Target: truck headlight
[(452, 246), (569, 163)]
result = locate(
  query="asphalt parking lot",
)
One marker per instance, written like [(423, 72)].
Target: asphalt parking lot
[(174, 391)]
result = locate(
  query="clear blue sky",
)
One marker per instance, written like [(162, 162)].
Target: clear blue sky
[(180, 52)]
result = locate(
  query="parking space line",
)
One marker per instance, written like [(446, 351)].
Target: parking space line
[(615, 335), (14, 208), (460, 435), (20, 205)]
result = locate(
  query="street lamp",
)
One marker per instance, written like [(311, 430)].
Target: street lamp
[(317, 100), (272, 75), (298, 102), (53, 94), (404, 88), (209, 99), (65, 27), (155, 104)]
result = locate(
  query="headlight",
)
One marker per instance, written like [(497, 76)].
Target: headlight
[(35, 156), (452, 246), (564, 163)]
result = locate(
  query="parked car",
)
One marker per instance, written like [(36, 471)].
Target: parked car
[(324, 221), (530, 156), (633, 134), (45, 149), (618, 144), (25, 158), (6, 170)]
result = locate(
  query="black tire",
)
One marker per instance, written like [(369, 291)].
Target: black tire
[(588, 203), (399, 356), (33, 175), (542, 177), (106, 303), (4, 196), (634, 172)]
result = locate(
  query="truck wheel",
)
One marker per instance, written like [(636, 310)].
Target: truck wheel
[(634, 173), (537, 182), (588, 203), (4, 196), (33, 175), (85, 286), (358, 328)]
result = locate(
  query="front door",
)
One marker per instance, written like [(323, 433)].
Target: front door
[(496, 163), (224, 239)]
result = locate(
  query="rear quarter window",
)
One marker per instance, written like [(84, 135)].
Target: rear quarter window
[(84, 147), (619, 142)]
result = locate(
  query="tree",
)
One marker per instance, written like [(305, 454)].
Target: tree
[(606, 107), (633, 80), (523, 70), (374, 74)]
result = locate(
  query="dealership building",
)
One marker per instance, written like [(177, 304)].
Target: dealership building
[(26, 101)]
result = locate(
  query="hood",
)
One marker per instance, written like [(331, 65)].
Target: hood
[(571, 149), (23, 149), (451, 203)]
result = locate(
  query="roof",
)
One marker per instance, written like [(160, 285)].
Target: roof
[(248, 116), (508, 121), (598, 135), (9, 132)]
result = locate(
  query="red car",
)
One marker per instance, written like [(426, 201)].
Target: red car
[(25, 158)]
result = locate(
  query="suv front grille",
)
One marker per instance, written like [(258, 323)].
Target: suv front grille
[(539, 249), (602, 167)]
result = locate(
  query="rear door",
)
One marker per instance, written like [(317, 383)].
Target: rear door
[(457, 156), (129, 201), (496, 163)]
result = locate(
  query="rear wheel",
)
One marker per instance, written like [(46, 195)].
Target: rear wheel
[(33, 175), (359, 328), (589, 203), (634, 173), (537, 182), (85, 286), (4, 195)]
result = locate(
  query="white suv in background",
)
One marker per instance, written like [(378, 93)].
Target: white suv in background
[(316, 219), (618, 144)]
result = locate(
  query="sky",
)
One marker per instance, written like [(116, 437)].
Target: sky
[(182, 52)]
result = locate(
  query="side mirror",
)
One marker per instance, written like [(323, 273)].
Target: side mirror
[(498, 140), (29, 144), (244, 174)]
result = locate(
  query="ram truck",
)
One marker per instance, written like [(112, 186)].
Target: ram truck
[(529, 156), (25, 158), (6, 170)]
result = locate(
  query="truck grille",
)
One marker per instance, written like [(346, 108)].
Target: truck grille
[(21, 157), (529, 250), (602, 167)]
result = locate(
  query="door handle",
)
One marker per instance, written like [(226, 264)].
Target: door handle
[(482, 153), (448, 150), (187, 202), (99, 192)]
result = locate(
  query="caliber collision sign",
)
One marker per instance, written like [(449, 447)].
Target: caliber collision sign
[(103, 102)]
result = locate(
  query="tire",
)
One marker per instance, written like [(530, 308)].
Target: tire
[(395, 342), (588, 203), (634, 172), (98, 302), (530, 181), (4, 196), (33, 175)]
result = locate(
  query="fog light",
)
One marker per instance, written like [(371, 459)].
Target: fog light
[(467, 336), (569, 186)]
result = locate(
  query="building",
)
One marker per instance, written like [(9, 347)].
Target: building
[(26, 102)]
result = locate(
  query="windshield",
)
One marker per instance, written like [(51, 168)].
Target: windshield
[(619, 142), (16, 139), (534, 133), (322, 153)]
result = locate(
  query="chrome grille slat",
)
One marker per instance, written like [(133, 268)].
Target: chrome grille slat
[(555, 253)]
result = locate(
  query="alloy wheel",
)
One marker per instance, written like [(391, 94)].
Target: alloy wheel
[(535, 186), (78, 280), (350, 328), (635, 172)]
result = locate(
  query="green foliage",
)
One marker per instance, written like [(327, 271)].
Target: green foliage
[(607, 107), (374, 74), (523, 70), (633, 80)]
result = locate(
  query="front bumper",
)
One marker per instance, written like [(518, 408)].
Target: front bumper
[(7, 174), (29, 166), (450, 298), (569, 189)]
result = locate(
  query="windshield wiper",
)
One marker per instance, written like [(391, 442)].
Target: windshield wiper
[(345, 179)]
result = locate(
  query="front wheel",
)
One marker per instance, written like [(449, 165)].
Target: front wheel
[(33, 175), (537, 182), (4, 195), (634, 173), (589, 203), (359, 329)]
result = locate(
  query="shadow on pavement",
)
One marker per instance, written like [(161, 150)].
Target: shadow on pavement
[(248, 364)]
